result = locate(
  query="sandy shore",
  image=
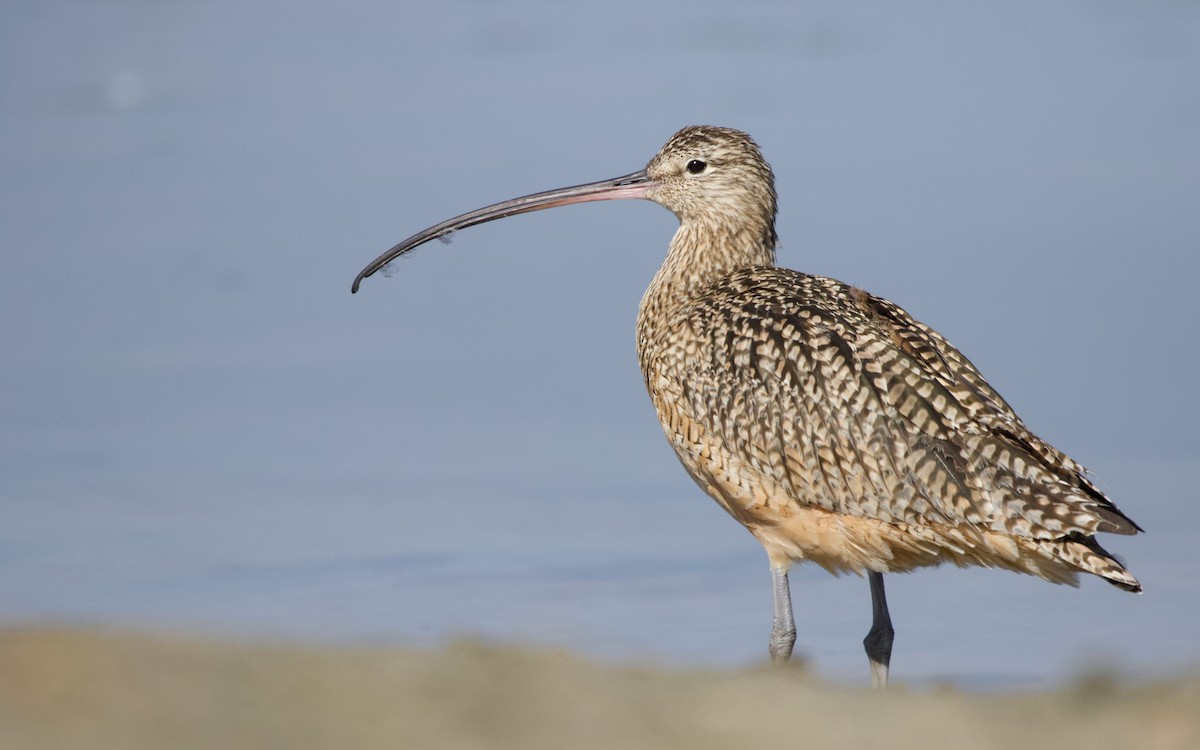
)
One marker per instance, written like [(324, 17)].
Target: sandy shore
[(93, 689)]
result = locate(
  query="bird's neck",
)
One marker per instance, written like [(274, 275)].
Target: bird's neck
[(700, 255)]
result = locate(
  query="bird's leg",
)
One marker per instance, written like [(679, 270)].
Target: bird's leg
[(878, 642), (783, 627)]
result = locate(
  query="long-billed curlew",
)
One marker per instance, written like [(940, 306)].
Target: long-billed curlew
[(829, 422)]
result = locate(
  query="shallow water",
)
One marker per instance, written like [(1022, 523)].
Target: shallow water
[(201, 429)]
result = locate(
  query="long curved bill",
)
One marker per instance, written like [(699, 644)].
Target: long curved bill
[(632, 185)]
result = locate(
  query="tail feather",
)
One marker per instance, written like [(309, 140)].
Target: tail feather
[(1086, 554)]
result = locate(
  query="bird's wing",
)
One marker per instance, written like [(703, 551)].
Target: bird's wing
[(852, 406)]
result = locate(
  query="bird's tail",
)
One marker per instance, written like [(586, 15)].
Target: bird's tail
[(1086, 554)]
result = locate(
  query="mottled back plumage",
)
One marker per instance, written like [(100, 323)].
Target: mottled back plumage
[(784, 392)]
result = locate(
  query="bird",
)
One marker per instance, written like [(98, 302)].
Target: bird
[(829, 422)]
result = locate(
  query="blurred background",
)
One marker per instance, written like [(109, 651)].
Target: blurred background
[(201, 430)]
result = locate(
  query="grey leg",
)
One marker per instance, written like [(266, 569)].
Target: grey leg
[(783, 628), (878, 642)]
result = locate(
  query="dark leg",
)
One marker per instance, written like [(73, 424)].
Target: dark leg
[(878, 642)]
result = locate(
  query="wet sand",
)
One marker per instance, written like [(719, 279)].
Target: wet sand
[(85, 688)]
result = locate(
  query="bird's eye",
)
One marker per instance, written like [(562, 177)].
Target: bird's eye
[(695, 166)]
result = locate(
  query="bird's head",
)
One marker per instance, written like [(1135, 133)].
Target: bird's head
[(713, 176), (713, 179)]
